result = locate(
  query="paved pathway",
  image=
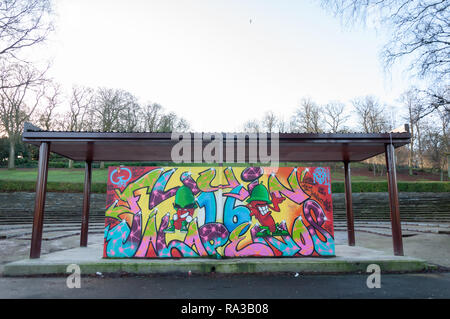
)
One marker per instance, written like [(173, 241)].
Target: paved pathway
[(435, 285)]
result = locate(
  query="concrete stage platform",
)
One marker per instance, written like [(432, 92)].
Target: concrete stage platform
[(348, 260)]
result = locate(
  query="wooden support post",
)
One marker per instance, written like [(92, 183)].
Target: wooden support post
[(39, 204), (393, 200), (86, 205), (349, 205)]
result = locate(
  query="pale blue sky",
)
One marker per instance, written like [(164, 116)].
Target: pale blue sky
[(207, 62)]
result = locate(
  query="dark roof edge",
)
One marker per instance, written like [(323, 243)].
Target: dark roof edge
[(35, 133)]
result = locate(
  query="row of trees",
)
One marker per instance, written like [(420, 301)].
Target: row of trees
[(106, 110), (43, 103), (430, 131), (333, 117)]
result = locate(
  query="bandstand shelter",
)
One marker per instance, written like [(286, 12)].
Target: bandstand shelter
[(150, 147)]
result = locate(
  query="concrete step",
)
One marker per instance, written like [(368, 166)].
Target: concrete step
[(348, 260)]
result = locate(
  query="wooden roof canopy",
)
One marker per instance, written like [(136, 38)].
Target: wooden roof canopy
[(135, 147)]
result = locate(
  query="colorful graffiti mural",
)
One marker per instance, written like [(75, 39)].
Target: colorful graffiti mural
[(158, 212)]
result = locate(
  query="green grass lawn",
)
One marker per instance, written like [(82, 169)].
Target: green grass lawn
[(65, 180), (339, 176), (54, 175), (101, 175)]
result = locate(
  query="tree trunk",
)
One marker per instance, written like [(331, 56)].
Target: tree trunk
[(12, 155), (419, 144), (411, 150), (448, 166), (70, 164), (410, 161)]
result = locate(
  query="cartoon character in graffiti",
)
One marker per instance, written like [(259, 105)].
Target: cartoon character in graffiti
[(259, 204), (185, 205)]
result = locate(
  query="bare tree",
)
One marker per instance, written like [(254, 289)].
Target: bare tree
[(152, 113), (131, 116), (252, 126), (334, 116), (269, 122), (167, 123), (283, 126), (419, 136), (412, 103), (435, 146), (107, 110), (20, 93), (111, 109), (81, 105), (182, 125), (371, 114), (420, 30), (420, 34), (445, 132), (23, 24), (421, 105), (436, 98), (307, 118), (117, 109), (170, 122), (46, 115), (80, 114)]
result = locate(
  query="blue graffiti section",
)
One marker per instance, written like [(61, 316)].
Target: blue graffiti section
[(321, 176), (208, 201), (233, 215), (120, 178), (123, 241)]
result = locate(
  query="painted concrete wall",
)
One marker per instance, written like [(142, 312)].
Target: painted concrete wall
[(157, 212)]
